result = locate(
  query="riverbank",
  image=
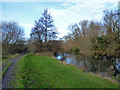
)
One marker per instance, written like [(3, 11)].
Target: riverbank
[(48, 72)]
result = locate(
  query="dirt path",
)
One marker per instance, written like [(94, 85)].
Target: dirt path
[(10, 73)]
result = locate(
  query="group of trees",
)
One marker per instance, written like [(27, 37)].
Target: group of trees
[(95, 38), (43, 34), (87, 37), (42, 37), (13, 40)]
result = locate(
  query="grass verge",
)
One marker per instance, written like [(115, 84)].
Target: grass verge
[(6, 69), (47, 72)]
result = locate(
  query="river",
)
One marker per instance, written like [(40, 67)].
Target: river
[(87, 64)]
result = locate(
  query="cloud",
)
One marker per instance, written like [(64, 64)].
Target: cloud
[(72, 12), (62, 32), (59, 0), (26, 27), (32, 0)]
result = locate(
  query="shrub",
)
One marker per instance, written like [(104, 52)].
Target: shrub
[(76, 50)]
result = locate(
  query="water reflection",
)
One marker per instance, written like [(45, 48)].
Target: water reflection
[(118, 64), (89, 64)]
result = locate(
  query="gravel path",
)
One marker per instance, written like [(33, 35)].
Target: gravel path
[(10, 73)]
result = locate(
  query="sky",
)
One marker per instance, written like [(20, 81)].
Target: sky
[(64, 13)]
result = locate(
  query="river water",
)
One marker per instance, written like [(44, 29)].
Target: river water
[(87, 64)]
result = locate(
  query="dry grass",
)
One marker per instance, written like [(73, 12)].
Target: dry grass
[(15, 55), (44, 54), (104, 77), (4, 57)]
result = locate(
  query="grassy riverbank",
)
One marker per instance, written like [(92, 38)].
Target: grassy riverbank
[(3, 72), (47, 72)]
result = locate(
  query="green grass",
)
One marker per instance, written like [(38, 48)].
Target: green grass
[(46, 72), (3, 72)]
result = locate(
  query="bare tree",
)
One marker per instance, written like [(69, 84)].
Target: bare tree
[(111, 22), (84, 25), (12, 35)]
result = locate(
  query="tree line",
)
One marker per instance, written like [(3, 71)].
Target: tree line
[(90, 38), (95, 38), (42, 37)]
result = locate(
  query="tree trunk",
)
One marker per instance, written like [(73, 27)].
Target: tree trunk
[(45, 35)]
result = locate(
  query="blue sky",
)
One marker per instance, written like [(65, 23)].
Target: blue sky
[(63, 13)]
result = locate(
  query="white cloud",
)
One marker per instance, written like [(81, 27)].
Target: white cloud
[(26, 27), (72, 11), (59, 0), (32, 0), (77, 11), (62, 32)]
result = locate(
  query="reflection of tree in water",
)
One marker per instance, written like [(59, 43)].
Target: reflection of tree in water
[(89, 64), (97, 66), (92, 65)]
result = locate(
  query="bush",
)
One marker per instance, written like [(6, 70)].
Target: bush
[(76, 50), (5, 57)]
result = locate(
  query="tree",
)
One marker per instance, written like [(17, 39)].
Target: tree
[(12, 35), (107, 44), (83, 25), (45, 26), (111, 22), (36, 37), (44, 30)]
